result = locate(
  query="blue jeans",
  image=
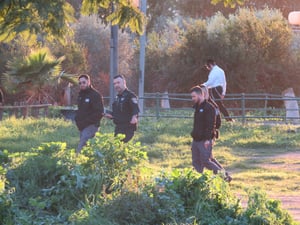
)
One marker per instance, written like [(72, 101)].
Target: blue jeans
[(202, 157), (86, 134)]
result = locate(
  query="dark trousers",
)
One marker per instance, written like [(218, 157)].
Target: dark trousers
[(86, 134), (128, 130), (202, 157), (216, 94)]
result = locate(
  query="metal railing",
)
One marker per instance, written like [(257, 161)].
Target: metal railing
[(24, 110), (244, 107)]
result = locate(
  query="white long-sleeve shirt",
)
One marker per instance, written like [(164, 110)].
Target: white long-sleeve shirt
[(216, 77)]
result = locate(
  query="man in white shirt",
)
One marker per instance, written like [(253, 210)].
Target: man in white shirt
[(216, 84)]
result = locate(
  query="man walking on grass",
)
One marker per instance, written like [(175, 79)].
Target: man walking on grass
[(125, 109), (203, 134), (90, 110)]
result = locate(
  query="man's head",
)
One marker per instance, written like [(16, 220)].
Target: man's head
[(197, 94), (210, 63), (205, 91), (84, 81), (119, 83)]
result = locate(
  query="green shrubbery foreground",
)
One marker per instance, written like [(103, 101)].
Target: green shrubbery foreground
[(107, 184)]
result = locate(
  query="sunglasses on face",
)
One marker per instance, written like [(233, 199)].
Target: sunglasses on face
[(81, 82)]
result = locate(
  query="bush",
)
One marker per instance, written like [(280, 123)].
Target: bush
[(251, 46), (5, 199), (262, 210), (50, 180), (206, 199), (131, 208)]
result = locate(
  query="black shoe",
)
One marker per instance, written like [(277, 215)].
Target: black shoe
[(227, 178)]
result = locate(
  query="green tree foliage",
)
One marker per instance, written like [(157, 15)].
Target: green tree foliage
[(160, 49), (32, 18), (94, 36), (51, 18), (33, 75), (158, 14), (251, 46), (121, 12), (207, 8), (231, 3), (10, 50), (75, 62)]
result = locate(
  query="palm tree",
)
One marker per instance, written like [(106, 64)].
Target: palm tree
[(35, 76)]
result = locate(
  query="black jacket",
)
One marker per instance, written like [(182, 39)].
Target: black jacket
[(218, 115), (90, 108), (204, 122), (124, 107)]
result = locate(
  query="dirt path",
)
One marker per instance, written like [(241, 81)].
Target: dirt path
[(290, 203)]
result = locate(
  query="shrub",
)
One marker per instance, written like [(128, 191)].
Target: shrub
[(250, 45), (131, 208), (262, 210), (206, 198), (111, 159), (5, 199)]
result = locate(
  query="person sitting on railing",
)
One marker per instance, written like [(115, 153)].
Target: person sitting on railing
[(216, 84)]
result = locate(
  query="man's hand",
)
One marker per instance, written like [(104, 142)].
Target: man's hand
[(206, 143), (134, 119), (109, 116), (222, 97)]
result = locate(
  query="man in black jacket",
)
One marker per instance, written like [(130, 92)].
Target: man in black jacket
[(90, 110), (203, 134), (125, 109)]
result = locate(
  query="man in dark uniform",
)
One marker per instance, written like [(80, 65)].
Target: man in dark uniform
[(203, 134), (125, 109), (90, 110)]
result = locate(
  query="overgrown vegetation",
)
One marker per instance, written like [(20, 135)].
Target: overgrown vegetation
[(114, 183)]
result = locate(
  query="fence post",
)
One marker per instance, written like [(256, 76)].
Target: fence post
[(1, 112), (15, 110), (157, 105), (266, 105), (243, 109), (24, 110), (46, 111)]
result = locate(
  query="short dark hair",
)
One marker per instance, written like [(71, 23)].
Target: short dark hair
[(84, 76), (119, 76), (196, 89), (210, 62)]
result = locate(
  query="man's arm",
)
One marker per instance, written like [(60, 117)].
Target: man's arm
[(210, 118), (134, 109), (224, 87)]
